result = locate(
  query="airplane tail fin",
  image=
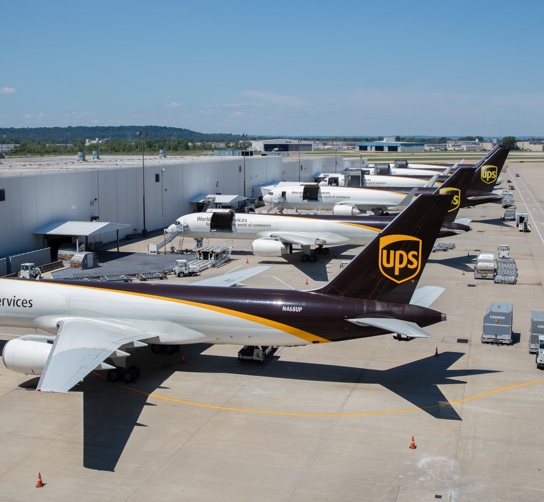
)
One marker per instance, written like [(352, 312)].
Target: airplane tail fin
[(456, 185), (390, 266), (486, 172)]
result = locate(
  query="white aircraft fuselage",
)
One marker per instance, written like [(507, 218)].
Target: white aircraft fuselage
[(329, 230), (330, 197)]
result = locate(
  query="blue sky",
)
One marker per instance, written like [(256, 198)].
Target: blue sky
[(297, 68)]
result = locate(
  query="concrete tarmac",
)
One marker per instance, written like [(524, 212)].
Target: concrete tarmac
[(328, 422)]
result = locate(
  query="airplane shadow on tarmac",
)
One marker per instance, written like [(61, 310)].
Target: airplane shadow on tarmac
[(317, 271), (110, 413), (460, 263)]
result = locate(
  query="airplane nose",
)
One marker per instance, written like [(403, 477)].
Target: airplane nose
[(172, 228), (267, 199)]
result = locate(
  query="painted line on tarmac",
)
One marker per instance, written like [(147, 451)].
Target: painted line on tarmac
[(352, 414)]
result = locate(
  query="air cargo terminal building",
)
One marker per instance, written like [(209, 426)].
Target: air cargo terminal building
[(131, 194)]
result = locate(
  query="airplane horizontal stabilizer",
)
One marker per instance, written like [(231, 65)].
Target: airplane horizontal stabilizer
[(406, 328), (426, 295), (463, 221), (231, 278)]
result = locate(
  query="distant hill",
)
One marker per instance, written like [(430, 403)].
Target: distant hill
[(81, 133)]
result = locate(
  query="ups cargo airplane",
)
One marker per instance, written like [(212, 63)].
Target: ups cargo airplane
[(351, 200), (275, 235), (91, 322)]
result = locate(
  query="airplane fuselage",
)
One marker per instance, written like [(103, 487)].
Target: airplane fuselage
[(178, 314), (327, 228), (329, 197)]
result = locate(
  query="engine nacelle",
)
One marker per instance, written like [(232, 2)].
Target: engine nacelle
[(27, 354), (345, 210), (270, 247)]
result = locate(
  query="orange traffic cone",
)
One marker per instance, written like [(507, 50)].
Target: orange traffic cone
[(306, 281), (436, 352), (462, 272), (413, 444), (183, 360), (40, 483), (247, 260)]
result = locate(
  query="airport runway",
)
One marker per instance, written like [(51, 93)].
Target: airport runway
[(328, 422)]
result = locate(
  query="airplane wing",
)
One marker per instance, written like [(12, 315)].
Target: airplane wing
[(406, 328), (309, 239), (426, 295), (81, 345), (232, 278)]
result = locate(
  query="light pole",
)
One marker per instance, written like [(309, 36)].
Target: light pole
[(143, 135)]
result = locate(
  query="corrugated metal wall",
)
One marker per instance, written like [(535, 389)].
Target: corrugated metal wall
[(115, 195)]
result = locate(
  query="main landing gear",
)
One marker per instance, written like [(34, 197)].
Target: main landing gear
[(126, 375), (308, 255)]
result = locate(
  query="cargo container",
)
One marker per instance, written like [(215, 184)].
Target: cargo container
[(536, 330), (498, 320), (485, 266)]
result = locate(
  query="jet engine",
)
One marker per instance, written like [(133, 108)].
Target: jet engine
[(270, 247), (27, 354), (345, 210)]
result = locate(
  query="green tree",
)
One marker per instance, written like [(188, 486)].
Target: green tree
[(510, 141)]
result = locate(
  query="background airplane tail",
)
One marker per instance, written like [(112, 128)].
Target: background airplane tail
[(389, 268), (456, 185), (487, 171)]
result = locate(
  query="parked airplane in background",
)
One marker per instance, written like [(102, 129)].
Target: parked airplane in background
[(275, 235), (481, 189), (345, 200), (91, 322), (340, 200)]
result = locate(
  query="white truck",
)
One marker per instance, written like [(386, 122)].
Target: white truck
[(29, 271), (540, 353), (503, 251), (185, 268), (485, 266), (522, 222)]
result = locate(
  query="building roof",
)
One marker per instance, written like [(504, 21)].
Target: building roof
[(80, 228)]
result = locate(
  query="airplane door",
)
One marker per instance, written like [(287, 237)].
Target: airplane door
[(222, 221), (310, 192)]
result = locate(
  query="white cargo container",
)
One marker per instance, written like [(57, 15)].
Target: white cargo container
[(485, 266)]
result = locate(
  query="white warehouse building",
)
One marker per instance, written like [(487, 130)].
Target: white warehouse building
[(34, 193)]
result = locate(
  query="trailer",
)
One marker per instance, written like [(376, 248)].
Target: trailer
[(536, 330), (509, 214), (497, 327)]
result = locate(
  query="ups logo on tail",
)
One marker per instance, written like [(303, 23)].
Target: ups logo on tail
[(456, 200), (400, 257), (489, 174)]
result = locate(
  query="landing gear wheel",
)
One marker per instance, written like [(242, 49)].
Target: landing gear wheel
[(313, 258), (318, 250), (156, 349), (326, 250), (135, 371), (304, 258), (127, 376), (169, 349), (113, 375)]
